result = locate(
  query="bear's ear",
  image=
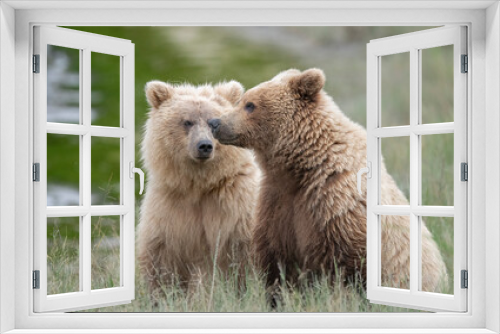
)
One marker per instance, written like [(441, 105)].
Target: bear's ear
[(308, 83), (158, 92), (284, 74), (231, 91)]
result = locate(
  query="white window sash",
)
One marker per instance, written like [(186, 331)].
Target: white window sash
[(412, 43), (86, 297)]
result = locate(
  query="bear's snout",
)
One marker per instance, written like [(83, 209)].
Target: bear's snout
[(223, 130), (205, 148), (214, 124)]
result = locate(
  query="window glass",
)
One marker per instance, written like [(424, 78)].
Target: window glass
[(437, 84), (440, 229), (395, 252), (105, 89), (437, 169), (63, 262), (395, 89), (63, 170), (105, 252), (105, 172), (396, 156), (63, 85)]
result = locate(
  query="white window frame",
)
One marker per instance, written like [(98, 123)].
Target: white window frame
[(16, 21), (413, 44), (85, 44)]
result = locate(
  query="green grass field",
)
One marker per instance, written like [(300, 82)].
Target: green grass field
[(198, 55)]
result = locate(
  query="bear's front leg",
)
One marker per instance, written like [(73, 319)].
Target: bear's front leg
[(239, 263), (273, 279), (151, 269), (268, 263)]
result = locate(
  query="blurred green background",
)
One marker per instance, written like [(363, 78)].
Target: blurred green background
[(249, 55)]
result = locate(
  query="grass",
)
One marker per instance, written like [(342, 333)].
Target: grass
[(218, 294), (213, 54), (223, 295)]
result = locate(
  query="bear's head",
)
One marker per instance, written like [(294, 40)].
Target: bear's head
[(177, 132), (259, 119)]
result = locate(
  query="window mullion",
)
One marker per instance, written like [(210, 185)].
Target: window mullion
[(56, 127), (420, 129), (104, 131), (85, 166), (393, 131), (418, 126), (433, 129), (420, 210), (414, 171), (81, 130)]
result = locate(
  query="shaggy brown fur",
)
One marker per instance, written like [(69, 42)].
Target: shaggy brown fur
[(195, 205), (310, 217)]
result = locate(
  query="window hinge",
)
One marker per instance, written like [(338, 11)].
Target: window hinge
[(36, 279), (465, 64), (465, 279), (36, 172), (36, 63), (464, 171)]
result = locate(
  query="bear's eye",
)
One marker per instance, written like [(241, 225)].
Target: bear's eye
[(249, 107), (188, 124)]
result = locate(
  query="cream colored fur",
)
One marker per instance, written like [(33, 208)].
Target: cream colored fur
[(193, 209)]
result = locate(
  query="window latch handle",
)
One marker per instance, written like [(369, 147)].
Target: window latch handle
[(141, 176), (368, 170)]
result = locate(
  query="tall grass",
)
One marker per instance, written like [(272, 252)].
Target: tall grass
[(219, 293)]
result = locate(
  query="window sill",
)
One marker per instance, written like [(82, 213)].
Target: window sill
[(253, 331)]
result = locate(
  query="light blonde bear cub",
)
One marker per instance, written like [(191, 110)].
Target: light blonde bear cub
[(200, 195)]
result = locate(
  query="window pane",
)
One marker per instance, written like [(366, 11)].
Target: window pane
[(63, 262), (437, 84), (105, 89), (63, 170), (105, 171), (437, 169), (396, 156), (395, 89), (437, 265), (105, 252), (395, 253), (63, 82)]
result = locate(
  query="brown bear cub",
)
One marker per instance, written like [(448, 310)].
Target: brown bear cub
[(200, 196), (310, 218)]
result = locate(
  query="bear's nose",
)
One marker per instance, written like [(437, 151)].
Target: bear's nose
[(214, 123), (205, 147)]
